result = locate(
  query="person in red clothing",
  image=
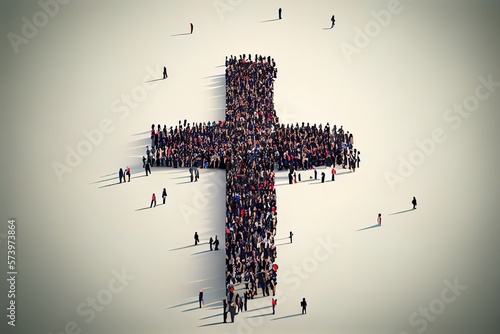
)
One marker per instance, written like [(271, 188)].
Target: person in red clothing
[(379, 219), (274, 302), (153, 200)]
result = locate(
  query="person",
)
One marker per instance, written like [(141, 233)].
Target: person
[(322, 177), (196, 238), (164, 195), (274, 301), (191, 27), (143, 162), (246, 295), (414, 202), (216, 243), (333, 21), (121, 175), (224, 311), (196, 175), (290, 178), (279, 13), (303, 303), (191, 171), (153, 200), (291, 235), (165, 72), (200, 297), (379, 219), (148, 167), (333, 174), (128, 174), (211, 242)]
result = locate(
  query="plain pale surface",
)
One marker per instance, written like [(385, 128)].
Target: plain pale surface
[(73, 234)]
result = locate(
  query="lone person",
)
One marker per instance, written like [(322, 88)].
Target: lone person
[(165, 72), (196, 238), (303, 303), (192, 27), (200, 297), (414, 202), (291, 236), (279, 13), (153, 200), (333, 21), (274, 301), (164, 195), (379, 219)]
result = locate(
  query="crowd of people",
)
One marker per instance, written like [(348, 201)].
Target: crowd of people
[(250, 144)]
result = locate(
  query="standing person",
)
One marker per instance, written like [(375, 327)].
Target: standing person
[(164, 195), (192, 27), (196, 238), (148, 167), (216, 243), (279, 13), (200, 297), (333, 174), (379, 219), (414, 202), (128, 174), (211, 242), (196, 175), (165, 75), (245, 299), (121, 175), (333, 21), (153, 200), (322, 177), (274, 301), (224, 311), (291, 236), (143, 162), (303, 303), (191, 170)]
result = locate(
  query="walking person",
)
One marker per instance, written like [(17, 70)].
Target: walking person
[(192, 27), (196, 238), (164, 195), (211, 242), (291, 236), (279, 13), (128, 174), (379, 219), (196, 175), (121, 175), (153, 201), (200, 297), (165, 72), (274, 302), (216, 243), (333, 21), (414, 202), (333, 174), (224, 310), (303, 303)]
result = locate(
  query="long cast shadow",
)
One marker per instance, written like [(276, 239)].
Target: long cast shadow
[(399, 212), (174, 249), (211, 316), (145, 208), (183, 304), (269, 20), (187, 33), (113, 178), (287, 316), (110, 185), (205, 251), (256, 309), (369, 227), (155, 80), (260, 315), (212, 324)]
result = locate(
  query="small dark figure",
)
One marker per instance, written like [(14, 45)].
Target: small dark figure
[(303, 303), (143, 162), (196, 238), (224, 311), (148, 168), (333, 21), (379, 219), (245, 299), (200, 297), (322, 177), (192, 27), (294, 177), (165, 73), (121, 175), (153, 200), (196, 175), (291, 236), (315, 174), (211, 242), (216, 243), (279, 13), (164, 195), (191, 173), (414, 202), (290, 178)]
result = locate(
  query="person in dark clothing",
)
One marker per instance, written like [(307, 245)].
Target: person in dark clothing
[(290, 178), (192, 27), (148, 168), (216, 243), (143, 162), (165, 73), (245, 299), (121, 175), (211, 242), (291, 236), (224, 311), (333, 21), (164, 195), (279, 13), (414, 202), (196, 238), (303, 303), (200, 297), (322, 177)]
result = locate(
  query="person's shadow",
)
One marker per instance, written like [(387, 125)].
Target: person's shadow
[(369, 227), (400, 212)]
